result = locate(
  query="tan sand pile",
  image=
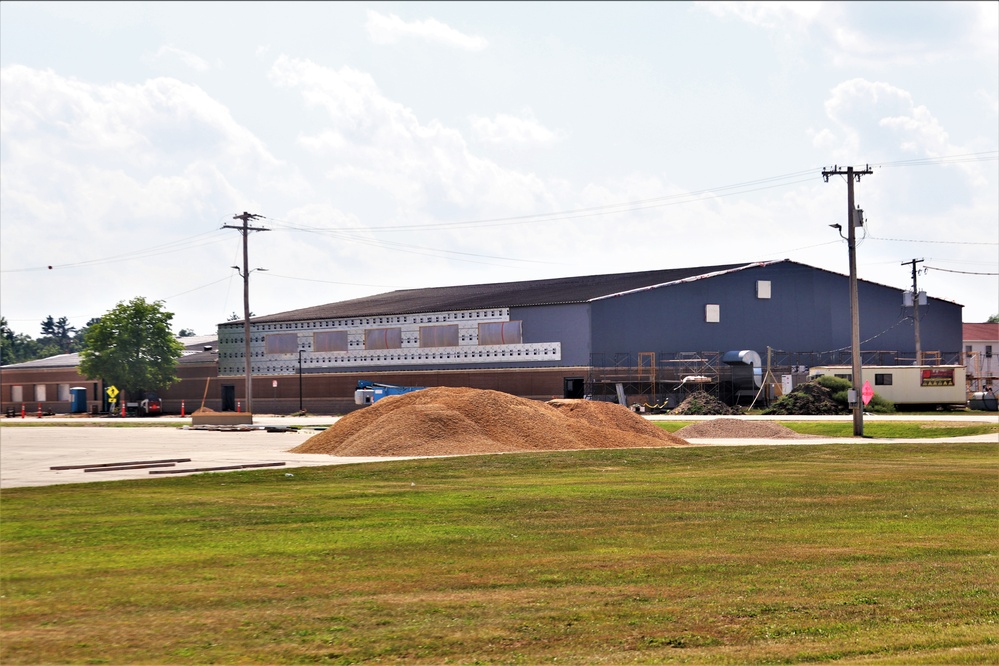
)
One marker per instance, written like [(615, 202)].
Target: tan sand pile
[(738, 429), (454, 421), (203, 410)]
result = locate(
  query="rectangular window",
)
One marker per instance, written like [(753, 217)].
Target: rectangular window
[(383, 338), (329, 341), (39, 392), (63, 391), (988, 351), (882, 379), (967, 349), (501, 333), (439, 336), (17, 394), (763, 289), (712, 313), (281, 343)]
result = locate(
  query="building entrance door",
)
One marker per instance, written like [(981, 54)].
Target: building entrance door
[(228, 398), (573, 388)]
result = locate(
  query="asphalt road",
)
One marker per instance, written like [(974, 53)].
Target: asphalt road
[(28, 454)]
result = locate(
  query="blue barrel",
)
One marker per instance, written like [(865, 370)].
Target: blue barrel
[(78, 400)]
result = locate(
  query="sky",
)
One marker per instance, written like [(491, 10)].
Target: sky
[(396, 145)]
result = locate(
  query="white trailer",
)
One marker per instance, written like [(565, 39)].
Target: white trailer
[(909, 385)]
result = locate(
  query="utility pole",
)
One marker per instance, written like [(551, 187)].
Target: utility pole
[(852, 222), (915, 309), (245, 229)]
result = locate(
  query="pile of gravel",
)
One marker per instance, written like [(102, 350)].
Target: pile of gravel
[(738, 429), (441, 421)]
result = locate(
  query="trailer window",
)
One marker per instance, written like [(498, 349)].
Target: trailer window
[(882, 379)]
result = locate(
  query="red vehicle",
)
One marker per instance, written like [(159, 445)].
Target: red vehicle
[(151, 405)]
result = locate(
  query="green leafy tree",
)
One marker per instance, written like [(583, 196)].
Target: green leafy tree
[(82, 333), (186, 333), (994, 319), (132, 347)]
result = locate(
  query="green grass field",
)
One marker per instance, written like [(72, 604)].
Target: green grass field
[(853, 553)]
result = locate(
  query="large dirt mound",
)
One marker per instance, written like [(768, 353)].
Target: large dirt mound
[(738, 429), (701, 403), (809, 399), (453, 421)]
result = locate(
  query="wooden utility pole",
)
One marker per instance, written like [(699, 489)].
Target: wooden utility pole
[(245, 229), (915, 309), (853, 220)]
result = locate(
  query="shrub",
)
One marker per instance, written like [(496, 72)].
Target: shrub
[(880, 405)]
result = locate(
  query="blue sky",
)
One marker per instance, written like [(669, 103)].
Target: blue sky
[(401, 145)]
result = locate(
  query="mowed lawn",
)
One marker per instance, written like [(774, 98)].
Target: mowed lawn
[(859, 553)]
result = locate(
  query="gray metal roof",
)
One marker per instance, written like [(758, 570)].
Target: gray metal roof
[(194, 352), (554, 291)]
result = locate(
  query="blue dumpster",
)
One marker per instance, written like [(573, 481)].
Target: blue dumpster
[(78, 400)]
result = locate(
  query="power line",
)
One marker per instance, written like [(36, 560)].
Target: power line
[(947, 270), (575, 213), (939, 242), (160, 249)]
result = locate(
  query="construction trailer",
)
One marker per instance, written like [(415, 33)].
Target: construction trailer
[(369, 392), (909, 385)]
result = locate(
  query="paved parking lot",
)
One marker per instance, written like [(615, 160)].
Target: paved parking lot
[(27, 454)]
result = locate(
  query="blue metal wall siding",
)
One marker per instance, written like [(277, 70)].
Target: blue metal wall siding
[(568, 324), (809, 311), (672, 319)]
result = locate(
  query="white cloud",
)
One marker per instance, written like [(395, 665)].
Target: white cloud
[(512, 131), (873, 34), (769, 15), (169, 54), (383, 144), (85, 160), (390, 29)]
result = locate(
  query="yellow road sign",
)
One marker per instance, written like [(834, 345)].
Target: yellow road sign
[(112, 392)]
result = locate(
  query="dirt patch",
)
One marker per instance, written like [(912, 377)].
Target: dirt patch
[(738, 429), (203, 410), (455, 421)]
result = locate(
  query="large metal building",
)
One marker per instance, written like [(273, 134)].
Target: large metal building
[(643, 337)]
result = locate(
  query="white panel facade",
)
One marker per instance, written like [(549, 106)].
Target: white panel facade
[(409, 353)]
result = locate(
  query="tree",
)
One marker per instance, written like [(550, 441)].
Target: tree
[(59, 332), (186, 333), (132, 348), (994, 319), (82, 333), (21, 347)]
